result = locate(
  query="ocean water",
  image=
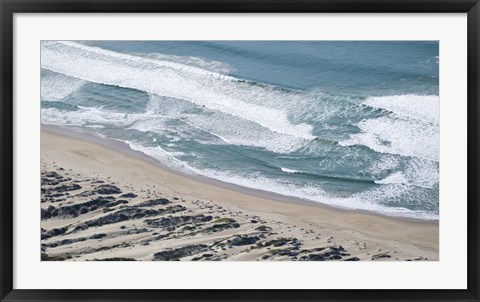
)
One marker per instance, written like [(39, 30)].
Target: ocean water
[(351, 124)]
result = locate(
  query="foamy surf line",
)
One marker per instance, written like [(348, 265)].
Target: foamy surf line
[(242, 185), (201, 87)]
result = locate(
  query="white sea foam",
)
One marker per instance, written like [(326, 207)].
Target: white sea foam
[(93, 117), (144, 123), (422, 173), (213, 90), (424, 107), (286, 170), (165, 158), (395, 178), (226, 128), (87, 116), (398, 135), (386, 162), (202, 63), (415, 171), (239, 132), (55, 87), (411, 129)]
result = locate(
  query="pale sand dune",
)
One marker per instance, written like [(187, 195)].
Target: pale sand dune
[(306, 226)]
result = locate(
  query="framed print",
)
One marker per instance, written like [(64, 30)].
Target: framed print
[(243, 150)]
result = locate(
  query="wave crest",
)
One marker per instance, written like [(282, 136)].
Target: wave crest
[(178, 81)]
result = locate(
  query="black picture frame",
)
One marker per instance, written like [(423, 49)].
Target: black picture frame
[(10, 7)]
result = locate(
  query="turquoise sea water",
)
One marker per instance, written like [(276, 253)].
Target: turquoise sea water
[(349, 124)]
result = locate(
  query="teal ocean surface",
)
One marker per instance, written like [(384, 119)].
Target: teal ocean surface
[(350, 124)]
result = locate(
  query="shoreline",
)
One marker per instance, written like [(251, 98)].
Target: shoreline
[(122, 147), (314, 227)]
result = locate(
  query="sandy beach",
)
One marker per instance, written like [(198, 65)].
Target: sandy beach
[(104, 204)]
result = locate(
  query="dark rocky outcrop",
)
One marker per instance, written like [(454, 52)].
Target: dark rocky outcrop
[(284, 252), (176, 254), (108, 189), (293, 242), (137, 231), (165, 222), (244, 240), (380, 256), (70, 241), (118, 216), (53, 232), (87, 193), (128, 195), (225, 223), (98, 236), (81, 208), (278, 242), (65, 242), (52, 174), (115, 259), (66, 188), (46, 257), (52, 178), (154, 202), (331, 253), (263, 229)]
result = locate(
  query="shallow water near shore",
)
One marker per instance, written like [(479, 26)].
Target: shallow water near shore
[(348, 124)]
